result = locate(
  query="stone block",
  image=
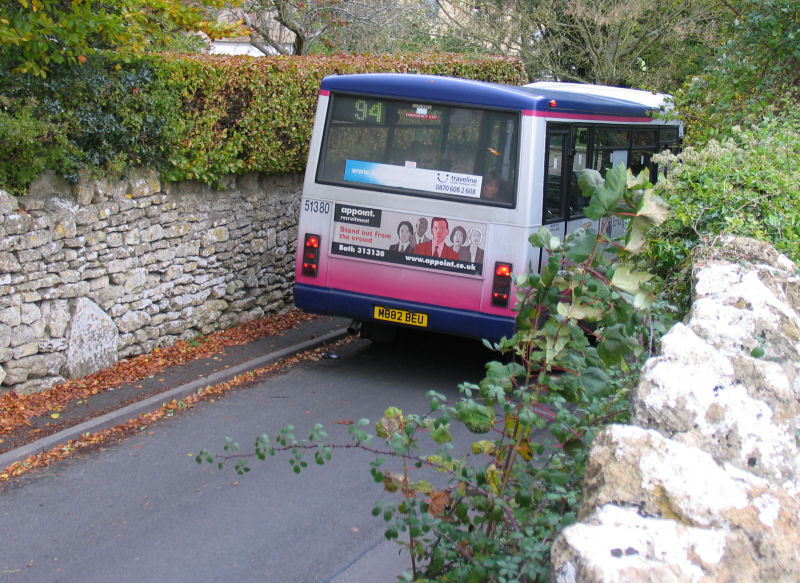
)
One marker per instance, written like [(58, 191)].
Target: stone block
[(8, 203), (143, 182), (30, 313), (659, 478), (57, 317), (618, 545), (38, 385), (38, 365), (8, 262), (92, 339), (48, 184), (17, 223), (11, 316), (133, 320)]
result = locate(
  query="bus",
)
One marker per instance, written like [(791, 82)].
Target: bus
[(421, 191)]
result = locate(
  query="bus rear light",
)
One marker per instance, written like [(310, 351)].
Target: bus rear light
[(311, 255), (501, 284)]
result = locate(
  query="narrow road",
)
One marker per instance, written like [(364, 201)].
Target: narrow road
[(143, 510)]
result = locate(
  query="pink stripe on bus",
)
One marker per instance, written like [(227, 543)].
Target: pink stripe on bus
[(324, 92), (416, 285), (585, 116)]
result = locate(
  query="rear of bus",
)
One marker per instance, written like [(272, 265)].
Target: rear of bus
[(410, 213)]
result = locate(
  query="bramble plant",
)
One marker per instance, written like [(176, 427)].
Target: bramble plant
[(575, 353)]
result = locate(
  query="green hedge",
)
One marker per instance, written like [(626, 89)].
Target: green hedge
[(746, 185), (190, 116)]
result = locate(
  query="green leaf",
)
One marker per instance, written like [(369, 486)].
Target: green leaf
[(614, 344), (579, 311), (441, 434), (499, 374), (652, 208), (643, 300), (483, 446), (596, 382), (543, 238), (476, 417), (635, 240), (589, 180), (605, 194), (581, 245), (628, 280)]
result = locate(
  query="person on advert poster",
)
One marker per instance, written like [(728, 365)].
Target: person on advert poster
[(422, 228), (437, 247), (405, 232), (471, 251)]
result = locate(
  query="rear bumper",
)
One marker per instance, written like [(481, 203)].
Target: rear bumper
[(320, 300)]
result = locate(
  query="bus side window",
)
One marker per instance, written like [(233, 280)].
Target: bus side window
[(346, 142), (643, 144), (553, 185), (461, 140), (580, 160), (611, 147), (499, 157)]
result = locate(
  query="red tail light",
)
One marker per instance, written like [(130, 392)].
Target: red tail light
[(501, 284), (310, 254)]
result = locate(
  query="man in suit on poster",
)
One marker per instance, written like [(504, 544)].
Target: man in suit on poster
[(405, 234), (437, 247), (422, 228)]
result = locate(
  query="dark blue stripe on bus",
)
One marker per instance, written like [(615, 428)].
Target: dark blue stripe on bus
[(478, 93), (320, 300)]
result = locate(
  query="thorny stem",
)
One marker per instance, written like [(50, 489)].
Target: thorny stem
[(410, 536)]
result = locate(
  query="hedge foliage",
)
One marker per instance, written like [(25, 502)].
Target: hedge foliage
[(193, 117), (745, 185)]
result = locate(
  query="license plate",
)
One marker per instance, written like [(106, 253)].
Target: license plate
[(401, 316)]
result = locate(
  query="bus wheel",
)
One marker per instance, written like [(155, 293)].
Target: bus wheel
[(382, 334)]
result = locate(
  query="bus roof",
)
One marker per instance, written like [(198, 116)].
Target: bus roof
[(571, 99)]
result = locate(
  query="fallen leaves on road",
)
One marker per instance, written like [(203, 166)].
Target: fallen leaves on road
[(143, 422), (17, 410)]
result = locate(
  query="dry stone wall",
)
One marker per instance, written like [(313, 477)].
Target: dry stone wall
[(106, 269), (704, 486)]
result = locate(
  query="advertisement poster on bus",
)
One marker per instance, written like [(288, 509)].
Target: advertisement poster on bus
[(427, 241)]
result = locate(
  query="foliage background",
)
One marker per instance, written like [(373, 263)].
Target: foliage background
[(740, 171), (192, 117)]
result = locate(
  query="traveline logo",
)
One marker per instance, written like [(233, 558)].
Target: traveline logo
[(464, 180)]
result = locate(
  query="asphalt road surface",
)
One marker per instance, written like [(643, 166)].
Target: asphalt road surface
[(142, 510)]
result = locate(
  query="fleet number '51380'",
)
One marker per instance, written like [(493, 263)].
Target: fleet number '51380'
[(317, 206)]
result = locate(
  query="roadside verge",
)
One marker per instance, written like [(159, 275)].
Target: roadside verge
[(248, 358)]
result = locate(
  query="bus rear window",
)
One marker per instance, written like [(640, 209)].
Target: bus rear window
[(419, 148)]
